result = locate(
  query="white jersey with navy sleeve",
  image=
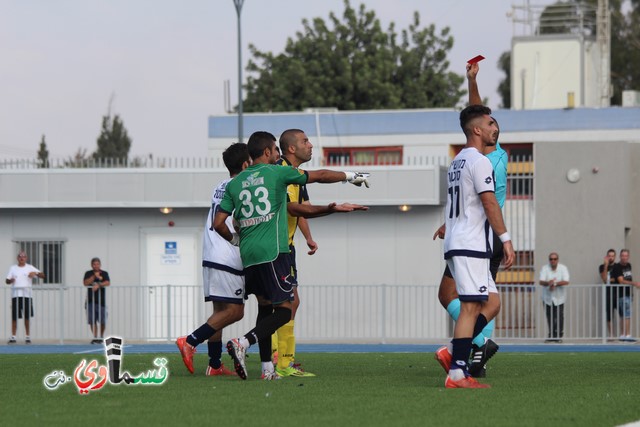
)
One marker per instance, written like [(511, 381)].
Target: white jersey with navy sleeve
[(217, 252), (468, 232)]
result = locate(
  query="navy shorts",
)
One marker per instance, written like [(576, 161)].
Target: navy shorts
[(21, 306), (271, 280), (96, 313)]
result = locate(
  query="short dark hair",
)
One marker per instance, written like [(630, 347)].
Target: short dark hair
[(258, 142), (471, 113), (94, 259), (611, 250), (234, 156), (287, 138)]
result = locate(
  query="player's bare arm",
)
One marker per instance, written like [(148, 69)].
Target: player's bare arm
[(474, 92), (605, 265), (220, 225), (303, 225), (623, 281), (326, 176), (313, 211)]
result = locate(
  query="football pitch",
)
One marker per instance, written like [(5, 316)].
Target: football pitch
[(350, 389)]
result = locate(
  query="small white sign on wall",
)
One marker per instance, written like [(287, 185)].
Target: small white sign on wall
[(170, 256)]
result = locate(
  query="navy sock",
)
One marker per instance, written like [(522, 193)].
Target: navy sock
[(215, 353), (481, 322), (200, 335), (461, 350)]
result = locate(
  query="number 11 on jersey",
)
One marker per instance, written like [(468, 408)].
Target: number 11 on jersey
[(454, 194)]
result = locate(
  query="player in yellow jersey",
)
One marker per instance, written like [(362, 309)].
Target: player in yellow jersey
[(295, 149)]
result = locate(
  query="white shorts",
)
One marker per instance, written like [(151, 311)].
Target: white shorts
[(222, 286), (473, 277)]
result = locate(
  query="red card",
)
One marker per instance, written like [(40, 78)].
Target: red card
[(475, 59)]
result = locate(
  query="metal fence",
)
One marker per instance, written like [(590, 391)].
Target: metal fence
[(204, 162), (348, 313)]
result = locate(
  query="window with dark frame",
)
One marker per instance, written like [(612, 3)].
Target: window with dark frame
[(46, 256), (354, 156)]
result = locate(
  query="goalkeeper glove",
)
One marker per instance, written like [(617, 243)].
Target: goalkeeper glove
[(358, 178)]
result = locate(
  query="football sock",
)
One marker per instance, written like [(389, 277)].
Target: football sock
[(460, 354), (263, 312), (285, 354), (264, 345), (481, 322), (215, 353), (200, 335), (274, 343), (268, 325), (264, 348), (244, 342), (454, 309), (486, 333), (267, 366), (292, 343)]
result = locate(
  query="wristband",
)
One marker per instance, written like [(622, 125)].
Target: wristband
[(504, 237)]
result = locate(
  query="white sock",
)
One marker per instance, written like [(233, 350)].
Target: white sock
[(456, 374), (267, 367), (244, 343)]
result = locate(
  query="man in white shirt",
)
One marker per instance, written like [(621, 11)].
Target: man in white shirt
[(20, 277), (554, 277)]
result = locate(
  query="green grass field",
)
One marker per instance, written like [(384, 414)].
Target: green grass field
[(374, 389)]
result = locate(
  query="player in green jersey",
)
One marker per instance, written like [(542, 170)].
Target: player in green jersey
[(257, 198)]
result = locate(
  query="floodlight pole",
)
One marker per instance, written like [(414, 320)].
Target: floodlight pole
[(238, 4)]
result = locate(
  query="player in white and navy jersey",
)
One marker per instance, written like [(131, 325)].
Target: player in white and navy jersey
[(472, 214), (483, 347), (223, 276)]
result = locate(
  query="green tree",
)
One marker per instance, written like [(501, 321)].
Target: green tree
[(43, 154), (353, 64), (504, 88), (625, 50), (114, 142)]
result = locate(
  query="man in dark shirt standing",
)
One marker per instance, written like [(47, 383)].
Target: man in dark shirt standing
[(622, 274), (96, 279), (611, 291)]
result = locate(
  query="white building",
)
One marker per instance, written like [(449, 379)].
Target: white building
[(68, 216)]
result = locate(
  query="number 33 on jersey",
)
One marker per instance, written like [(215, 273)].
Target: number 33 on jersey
[(257, 199)]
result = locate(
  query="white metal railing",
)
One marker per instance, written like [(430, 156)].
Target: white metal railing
[(135, 162), (329, 313), (198, 163)]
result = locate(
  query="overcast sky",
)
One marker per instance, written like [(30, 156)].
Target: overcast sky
[(165, 62)]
